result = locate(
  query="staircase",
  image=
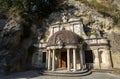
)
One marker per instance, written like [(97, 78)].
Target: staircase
[(66, 73)]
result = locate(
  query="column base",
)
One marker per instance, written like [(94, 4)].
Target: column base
[(53, 70), (74, 70)]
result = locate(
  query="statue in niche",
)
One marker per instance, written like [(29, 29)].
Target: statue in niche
[(64, 17), (58, 41)]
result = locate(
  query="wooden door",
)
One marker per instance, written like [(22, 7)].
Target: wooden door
[(63, 59)]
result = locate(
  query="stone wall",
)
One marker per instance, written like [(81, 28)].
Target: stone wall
[(114, 38), (116, 60), (114, 42)]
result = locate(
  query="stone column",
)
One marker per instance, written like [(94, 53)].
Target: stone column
[(74, 60), (96, 60), (68, 59), (53, 60), (81, 59), (109, 59), (49, 60)]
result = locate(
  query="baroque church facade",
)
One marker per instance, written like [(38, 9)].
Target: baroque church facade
[(68, 48)]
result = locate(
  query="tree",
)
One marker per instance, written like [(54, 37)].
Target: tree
[(46, 6)]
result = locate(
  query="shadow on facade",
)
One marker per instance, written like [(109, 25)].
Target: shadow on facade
[(89, 57)]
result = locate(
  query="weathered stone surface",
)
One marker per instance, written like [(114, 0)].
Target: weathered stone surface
[(90, 17), (116, 59), (114, 41), (2, 23), (14, 42), (16, 39), (117, 2)]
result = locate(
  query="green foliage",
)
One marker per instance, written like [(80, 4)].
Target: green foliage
[(92, 32), (15, 10), (3, 6), (45, 38), (43, 7)]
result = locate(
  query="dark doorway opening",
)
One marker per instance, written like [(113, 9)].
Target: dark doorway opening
[(64, 59), (44, 57), (88, 56), (89, 59)]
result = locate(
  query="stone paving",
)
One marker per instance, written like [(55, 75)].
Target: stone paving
[(35, 75)]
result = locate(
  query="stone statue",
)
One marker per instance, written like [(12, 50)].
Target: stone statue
[(64, 17)]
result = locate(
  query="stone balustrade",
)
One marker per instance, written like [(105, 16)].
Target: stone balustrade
[(96, 41), (93, 41)]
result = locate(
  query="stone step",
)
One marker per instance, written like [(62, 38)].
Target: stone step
[(103, 70), (66, 74)]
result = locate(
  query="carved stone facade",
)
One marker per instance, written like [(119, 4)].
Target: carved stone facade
[(68, 47)]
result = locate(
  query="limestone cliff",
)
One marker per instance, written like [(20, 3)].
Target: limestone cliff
[(113, 34), (17, 37)]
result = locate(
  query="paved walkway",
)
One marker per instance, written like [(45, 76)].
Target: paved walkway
[(35, 75)]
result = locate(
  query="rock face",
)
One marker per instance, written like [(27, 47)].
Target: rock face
[(10, 40), (116, 2), (90, 17), (116, 58), (16, 38), (114, 40), (115, 48), (2, 23)]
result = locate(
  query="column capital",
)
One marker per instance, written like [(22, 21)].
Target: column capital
[(74, 49), (53, 49), (68, 48)]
